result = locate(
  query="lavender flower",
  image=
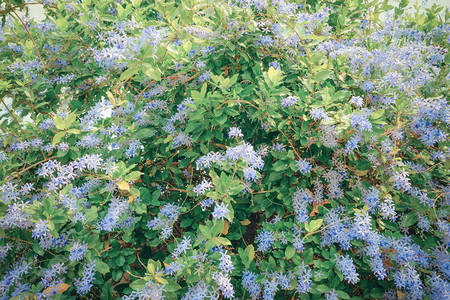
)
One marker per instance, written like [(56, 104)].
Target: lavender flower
[(346, 266), (78, 251), (84, 284), (220, 211), (204, 186), (266, 239), (235, 132), (357, 101), (225, 263), (303, 166), (288, 101)]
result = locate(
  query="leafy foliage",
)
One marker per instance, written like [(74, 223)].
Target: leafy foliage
[(209, 149)]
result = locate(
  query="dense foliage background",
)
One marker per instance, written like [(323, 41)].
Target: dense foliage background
[(210, 149)]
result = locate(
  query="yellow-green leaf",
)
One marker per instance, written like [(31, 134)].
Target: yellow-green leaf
[(123, 186), (313, 225), (70, 119), (378, 113), (274, 74), (57, 138), (59, 122), (111, 98)]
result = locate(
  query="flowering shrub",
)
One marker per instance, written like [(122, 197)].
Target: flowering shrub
[(224, 150)]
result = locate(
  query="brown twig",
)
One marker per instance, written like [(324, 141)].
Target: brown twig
[(29, 33), (7, 108), (26, 169)]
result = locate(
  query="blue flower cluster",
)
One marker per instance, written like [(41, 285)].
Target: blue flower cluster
[(165, 220), (153, 141)]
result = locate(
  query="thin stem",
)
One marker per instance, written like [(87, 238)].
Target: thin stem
[(29, 33), (16, 174), (7, 108)]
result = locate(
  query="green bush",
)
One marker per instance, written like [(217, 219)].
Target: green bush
[(212, 149)]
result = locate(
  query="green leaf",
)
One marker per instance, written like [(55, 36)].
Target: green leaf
[(59, 122), (57, 138), (217, 229), (107, 292), (250, 250), (111, 98), (171, 286), (214, 177), (313, 225), (247, 255), (135, 192), (62, 24), (137, 3), (137, 284), (409, 219), (155, 197), (120, 260), (130, 72), (205, 231), (91, 214), (221, 241), (323, 75), (289, 252), (274, 74), (59, 219), (342, 295), (315, 37), (235, 189), (141, 208), (135, 175), (186, 222), (37, 248), (322, 288), (152, 72), (74, 131), (69, 120), (145, 133), (101, 267), (161, 280), (447, 58), (233, 79), (378, 113)]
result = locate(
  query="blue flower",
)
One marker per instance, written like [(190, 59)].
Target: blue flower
[(41, 229), (225, 263), (361, 121), (303, 166), (78, 251), (303, 279), (266, 239), (357, 101), (204, 186), (204, 76), (346, 266), (274, 64), (250, 284), (288, 101), (220, 211), (401, 180), (318, 114), (235, 132), (182, 247), (278, 147), (84, 284), (250, 174), (223, 280)]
